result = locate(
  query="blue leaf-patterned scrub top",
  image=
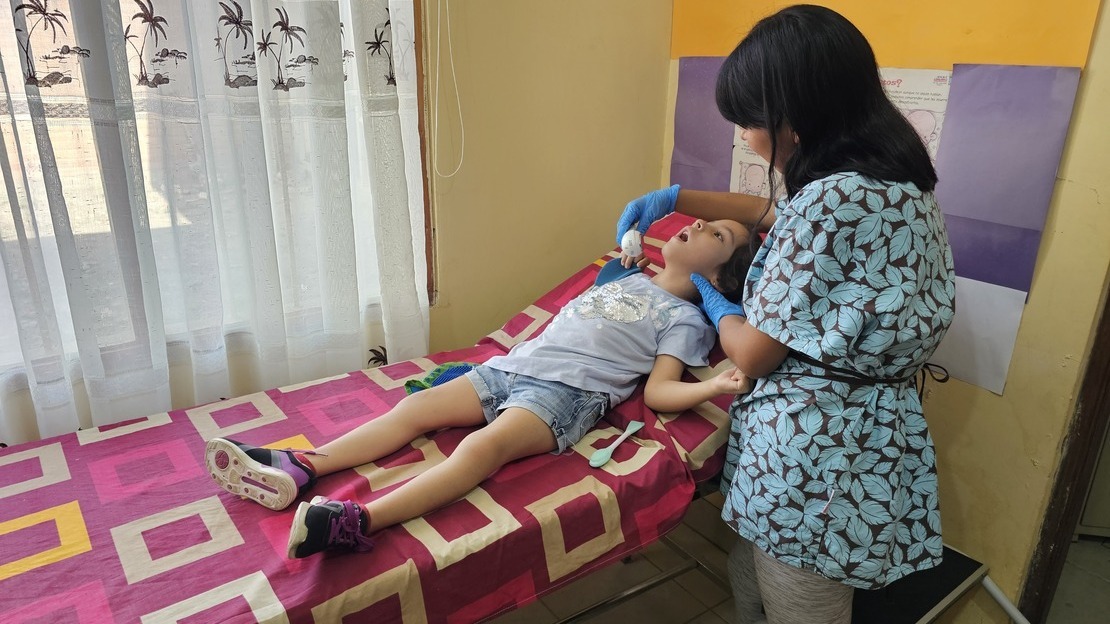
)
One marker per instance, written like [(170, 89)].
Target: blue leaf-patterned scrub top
[(832, 476)]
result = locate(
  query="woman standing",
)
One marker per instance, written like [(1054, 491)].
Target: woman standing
[(830, 472)]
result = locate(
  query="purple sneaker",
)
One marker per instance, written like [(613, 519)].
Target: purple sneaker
[(271, 478), (323, 524)]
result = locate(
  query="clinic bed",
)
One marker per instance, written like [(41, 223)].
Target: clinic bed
[(122, 524)]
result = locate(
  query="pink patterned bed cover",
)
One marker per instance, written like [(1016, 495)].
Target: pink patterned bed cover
[(121, 523)]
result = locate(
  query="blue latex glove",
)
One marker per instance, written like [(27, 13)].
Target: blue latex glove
[(643, 211), (713, 303)]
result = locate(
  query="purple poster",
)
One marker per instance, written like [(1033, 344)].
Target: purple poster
[(1004, 134), (702, 157)]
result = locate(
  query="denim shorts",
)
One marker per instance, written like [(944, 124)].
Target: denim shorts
[(569, 412)]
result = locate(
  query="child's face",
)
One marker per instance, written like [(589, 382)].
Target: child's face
[(704, 246)]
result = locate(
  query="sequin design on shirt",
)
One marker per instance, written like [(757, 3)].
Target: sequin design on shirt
[(611, 302), (663, 311)]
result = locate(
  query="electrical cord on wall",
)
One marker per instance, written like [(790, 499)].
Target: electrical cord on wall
[(454, 82)]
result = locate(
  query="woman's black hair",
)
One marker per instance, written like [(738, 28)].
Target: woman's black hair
[(731, 276), (810, 69)]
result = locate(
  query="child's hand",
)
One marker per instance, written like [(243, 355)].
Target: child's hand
[(640, 260), (732, 381)]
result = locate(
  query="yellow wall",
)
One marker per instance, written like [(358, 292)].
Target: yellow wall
[(999, 455), (565, 108), (563, 104), (1010, 32)]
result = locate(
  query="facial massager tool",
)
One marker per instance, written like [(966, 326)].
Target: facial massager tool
[(632, 243), (602, 456)]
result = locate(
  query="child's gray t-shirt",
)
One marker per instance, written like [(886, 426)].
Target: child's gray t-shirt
[(605, 339)]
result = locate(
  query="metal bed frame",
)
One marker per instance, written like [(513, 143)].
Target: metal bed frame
[(920, 598)]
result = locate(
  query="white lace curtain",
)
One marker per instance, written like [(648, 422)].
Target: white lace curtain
[(202, 198)]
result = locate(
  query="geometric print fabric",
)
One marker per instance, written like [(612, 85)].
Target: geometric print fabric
[(121, 523)]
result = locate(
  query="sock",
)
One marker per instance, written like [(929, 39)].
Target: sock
[(301, 459)]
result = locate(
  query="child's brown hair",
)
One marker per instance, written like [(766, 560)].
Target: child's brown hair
[(731, 277)]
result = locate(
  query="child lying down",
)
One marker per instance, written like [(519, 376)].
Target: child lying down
[(543, 396)]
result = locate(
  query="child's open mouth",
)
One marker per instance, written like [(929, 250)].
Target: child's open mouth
[(683, 235)]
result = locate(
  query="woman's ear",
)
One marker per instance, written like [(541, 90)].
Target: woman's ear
[(787, 133)]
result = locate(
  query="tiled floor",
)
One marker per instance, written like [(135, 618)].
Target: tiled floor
[(690, 598), (1083, 595)]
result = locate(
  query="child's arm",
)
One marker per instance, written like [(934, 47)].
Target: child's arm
[(666, 392)]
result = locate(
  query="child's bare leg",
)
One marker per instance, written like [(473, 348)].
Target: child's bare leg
[(454, 404), (514, 434), (275, 478)]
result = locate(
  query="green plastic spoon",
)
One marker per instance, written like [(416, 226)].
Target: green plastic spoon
[(601, 456)]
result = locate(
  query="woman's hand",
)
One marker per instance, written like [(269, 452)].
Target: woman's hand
[(732, 381), (713, 303), (643, 211)]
